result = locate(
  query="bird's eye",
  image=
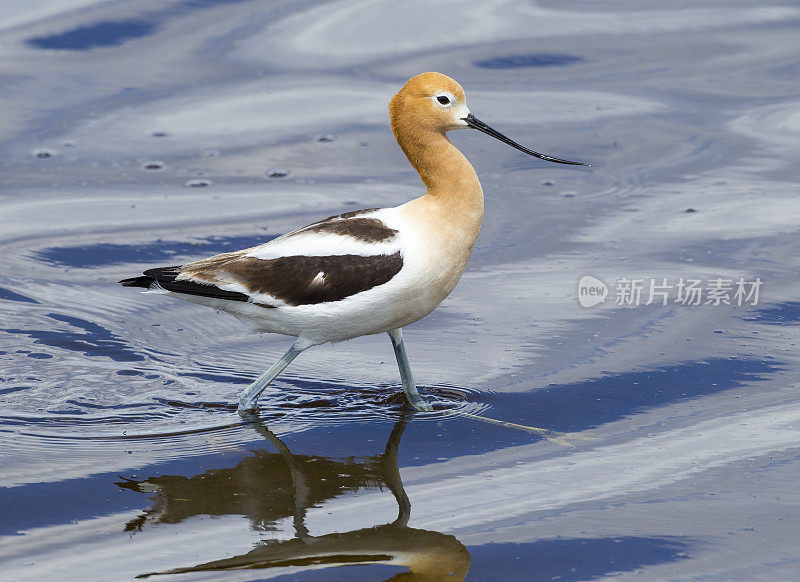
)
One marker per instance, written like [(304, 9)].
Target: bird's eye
[(443, 99)]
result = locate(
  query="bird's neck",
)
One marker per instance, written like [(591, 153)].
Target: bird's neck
[(449, 177), (449, 215)]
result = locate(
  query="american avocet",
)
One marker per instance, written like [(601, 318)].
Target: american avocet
[(361, 272)]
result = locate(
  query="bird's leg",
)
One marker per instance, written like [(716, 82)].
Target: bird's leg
[(249, 396), (409, 387)]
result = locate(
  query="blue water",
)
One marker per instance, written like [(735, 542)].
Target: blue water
[(526, 61), (104, 254), (99, 34), (642, 442), (787, 313), (575, 559), (10, 295), (82, 336)]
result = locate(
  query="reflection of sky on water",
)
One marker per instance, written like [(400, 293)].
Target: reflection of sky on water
[(692, 411)]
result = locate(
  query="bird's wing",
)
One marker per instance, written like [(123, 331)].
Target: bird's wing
[(325, 261)]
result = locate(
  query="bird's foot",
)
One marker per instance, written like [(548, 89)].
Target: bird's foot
[(247, 408), (422, 406), (417, 402)]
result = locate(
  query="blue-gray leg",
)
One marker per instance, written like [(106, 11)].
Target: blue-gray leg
[(409, 387), (249, 397)]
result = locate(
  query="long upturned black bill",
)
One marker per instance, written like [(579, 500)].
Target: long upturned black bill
[(476, 123)]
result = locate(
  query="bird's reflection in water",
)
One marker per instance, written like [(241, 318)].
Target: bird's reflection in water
[(268, 487)]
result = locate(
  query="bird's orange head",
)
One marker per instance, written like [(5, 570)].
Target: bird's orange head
[(429, 102)]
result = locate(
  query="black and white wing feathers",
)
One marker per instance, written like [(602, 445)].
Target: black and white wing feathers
[(326, 261)]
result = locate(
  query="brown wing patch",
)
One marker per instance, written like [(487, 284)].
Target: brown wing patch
[(352, 224), (298, 280), (363, 229), (351, 214)]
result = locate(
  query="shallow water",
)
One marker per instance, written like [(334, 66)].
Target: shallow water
[(567, 443)]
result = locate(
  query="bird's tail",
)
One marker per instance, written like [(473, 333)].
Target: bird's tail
[(146, 280), (142, 281)]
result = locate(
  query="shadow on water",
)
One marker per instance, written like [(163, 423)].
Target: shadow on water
[(267, 487), (105, 254)]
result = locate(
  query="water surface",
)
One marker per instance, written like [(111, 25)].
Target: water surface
[(570, 443)]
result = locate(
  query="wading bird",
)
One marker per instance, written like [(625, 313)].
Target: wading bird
[(361, 272)]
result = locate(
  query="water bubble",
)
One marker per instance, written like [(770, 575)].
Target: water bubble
[(326, 138), (44, 154), (278, 173), (200, 183), (154, 165)]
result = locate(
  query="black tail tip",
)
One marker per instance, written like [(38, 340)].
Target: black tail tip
[(141, 281)]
